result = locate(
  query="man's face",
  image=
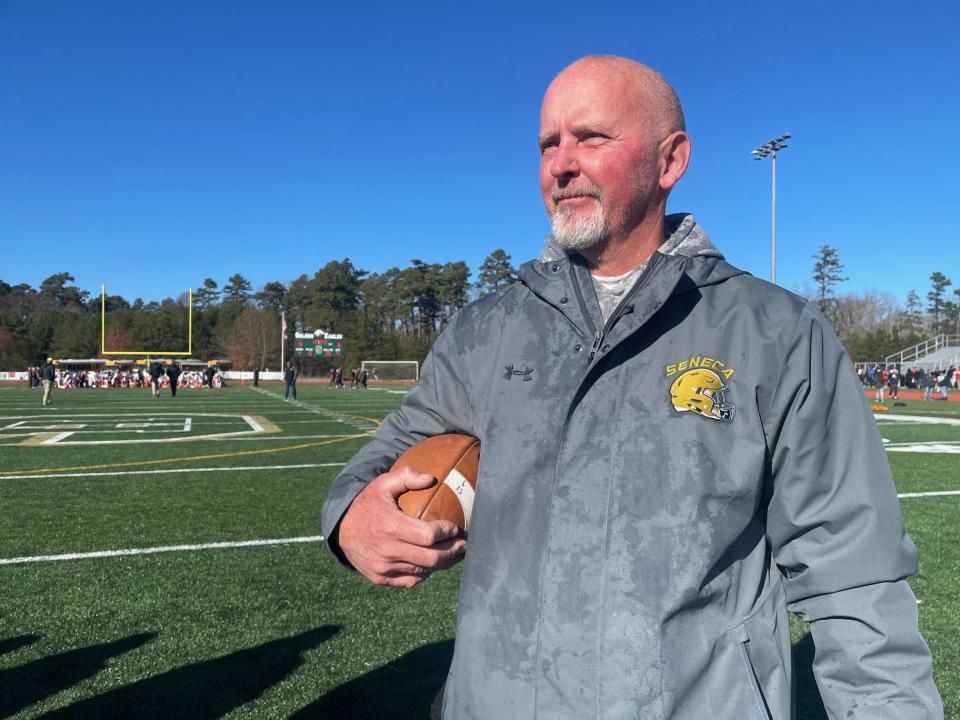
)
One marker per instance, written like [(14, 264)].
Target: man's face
[(598, 167)]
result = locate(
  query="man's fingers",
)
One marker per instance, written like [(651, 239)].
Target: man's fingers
[(397, 482), (404, 557), (404, 581), (389, 547), (425, 533)]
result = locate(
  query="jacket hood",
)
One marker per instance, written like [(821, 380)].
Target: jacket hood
[(705, 264)]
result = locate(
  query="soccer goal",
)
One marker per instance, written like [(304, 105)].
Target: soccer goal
[(392, 370)]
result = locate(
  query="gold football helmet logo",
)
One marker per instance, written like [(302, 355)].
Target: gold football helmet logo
[(702, 391)]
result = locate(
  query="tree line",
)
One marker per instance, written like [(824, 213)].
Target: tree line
[(394, 315), (872, 325)]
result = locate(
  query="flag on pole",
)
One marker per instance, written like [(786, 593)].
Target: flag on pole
[(283, 326)]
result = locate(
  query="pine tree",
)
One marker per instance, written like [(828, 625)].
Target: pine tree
[(826, 273), (914, 314), (204, 297), (237, 291), (495, 272), (937, 307)]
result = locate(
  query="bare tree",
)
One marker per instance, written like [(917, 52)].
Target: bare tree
[(253, 339)]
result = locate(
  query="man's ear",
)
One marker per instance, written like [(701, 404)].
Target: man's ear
[(674, 158)]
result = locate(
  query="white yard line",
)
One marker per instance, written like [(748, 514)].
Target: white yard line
[(245, 543), (259, 438), (244, 438), (337, 417), (160, 549), (939, 493), (929, 447), (172, 471), (919, 419)]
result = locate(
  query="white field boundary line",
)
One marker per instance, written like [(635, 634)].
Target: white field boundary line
[(161, 549), (937, 493), (259, 438), (345, 419), (255, 438), (918, 419), (173, 471), (244, 543), (926, 447)]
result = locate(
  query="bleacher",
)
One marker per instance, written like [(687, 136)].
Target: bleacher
[(941, 350)]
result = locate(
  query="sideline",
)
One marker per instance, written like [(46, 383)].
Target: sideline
[(162, 549)]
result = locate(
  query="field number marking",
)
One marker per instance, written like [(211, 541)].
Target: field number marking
[(172, 427)]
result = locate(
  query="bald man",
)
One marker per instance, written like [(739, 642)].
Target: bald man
[(688, 458)]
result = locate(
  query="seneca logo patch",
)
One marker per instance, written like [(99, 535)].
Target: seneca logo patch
[(700, 388)]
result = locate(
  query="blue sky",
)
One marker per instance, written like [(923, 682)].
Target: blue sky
[(148, 145)]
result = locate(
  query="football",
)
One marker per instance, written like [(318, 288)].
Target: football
[(453, 460)]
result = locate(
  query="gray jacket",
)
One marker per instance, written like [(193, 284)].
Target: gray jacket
[(654, 495)]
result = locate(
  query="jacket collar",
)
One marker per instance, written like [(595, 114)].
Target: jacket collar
[(686, 260), (684, 236)]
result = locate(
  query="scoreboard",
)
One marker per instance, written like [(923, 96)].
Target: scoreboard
[(318, 344)]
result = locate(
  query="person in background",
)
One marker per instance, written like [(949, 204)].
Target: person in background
[(48, 376), (946, 380), (173, 374), (156, 374), (290, 381), (894, 383)]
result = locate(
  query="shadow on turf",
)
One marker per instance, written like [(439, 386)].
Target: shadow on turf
[(208, 689), (15, 643), (402, 690), (408, 688), (24, 685)]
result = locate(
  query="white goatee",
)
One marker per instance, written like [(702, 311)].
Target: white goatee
[(573, 231)]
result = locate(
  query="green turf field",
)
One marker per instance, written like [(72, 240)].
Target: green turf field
[(275, 630)]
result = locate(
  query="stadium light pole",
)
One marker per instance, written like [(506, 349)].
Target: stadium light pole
[(770, 149)]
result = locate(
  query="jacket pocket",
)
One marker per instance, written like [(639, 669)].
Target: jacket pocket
[(761, 708)]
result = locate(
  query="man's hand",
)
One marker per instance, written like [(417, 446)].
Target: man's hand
[(390, 548)]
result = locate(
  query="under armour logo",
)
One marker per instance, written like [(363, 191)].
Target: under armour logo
[(526, 373)]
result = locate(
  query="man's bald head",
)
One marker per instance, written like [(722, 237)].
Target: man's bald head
[(655, 99), (612, 147)]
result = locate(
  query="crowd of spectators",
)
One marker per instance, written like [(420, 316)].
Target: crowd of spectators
[(126, 378), (935, 382)]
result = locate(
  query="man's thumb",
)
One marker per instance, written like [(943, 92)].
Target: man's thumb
[(406, 479)]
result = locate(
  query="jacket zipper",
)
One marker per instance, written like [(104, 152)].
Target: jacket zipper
[(598, 335)]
